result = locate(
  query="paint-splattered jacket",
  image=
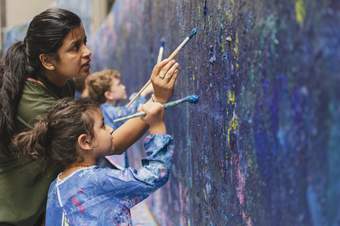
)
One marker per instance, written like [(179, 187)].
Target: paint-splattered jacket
[(111, 112), (103, 196)]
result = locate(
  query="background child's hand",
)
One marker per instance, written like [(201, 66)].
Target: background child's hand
[(154, 117), (148, 90)]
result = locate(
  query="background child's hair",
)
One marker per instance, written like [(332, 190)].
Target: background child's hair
[(55, 136), (100, 82)]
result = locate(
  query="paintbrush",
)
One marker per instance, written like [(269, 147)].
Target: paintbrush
[(159, 59), (172, 56), (185, 41), (192, 99)]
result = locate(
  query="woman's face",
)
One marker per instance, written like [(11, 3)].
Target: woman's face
[(74, 56)]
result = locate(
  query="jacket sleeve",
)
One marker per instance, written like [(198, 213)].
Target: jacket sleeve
[(131, 186)]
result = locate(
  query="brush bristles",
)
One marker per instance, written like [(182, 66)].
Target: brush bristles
[(193, 99), (193, 32), (162, 42)]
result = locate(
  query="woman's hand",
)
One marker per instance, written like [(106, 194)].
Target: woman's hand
[(163, 79)]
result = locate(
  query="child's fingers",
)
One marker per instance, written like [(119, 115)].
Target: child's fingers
[(150, 107), (154, 112)]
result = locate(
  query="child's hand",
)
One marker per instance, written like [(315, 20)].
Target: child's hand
[(154, 117)]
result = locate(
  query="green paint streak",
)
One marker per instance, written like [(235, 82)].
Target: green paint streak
[(300, 11), (236, 46), (233, 126)]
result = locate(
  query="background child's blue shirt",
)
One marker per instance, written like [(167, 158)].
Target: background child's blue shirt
[(111, 112), (104, 196)]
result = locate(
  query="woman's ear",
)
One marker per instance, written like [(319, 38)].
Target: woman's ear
[(47, 62), (84, 142)]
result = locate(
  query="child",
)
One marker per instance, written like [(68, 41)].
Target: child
[(73, 134), (106, 88)]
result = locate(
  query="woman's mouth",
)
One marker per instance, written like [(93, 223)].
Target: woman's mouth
[(86, 65)]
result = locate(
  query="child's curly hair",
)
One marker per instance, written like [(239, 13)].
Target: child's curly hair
[(54, 137), (100, 82)]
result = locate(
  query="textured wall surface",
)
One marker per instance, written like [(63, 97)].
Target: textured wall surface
[(262, 147)]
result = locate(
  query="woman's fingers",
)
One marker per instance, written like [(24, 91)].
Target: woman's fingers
[(166, 68), (164, 87), (171, 72), (158, 67), (173, 78)]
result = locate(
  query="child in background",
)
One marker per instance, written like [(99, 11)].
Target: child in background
[(73, 134), (106, 88)]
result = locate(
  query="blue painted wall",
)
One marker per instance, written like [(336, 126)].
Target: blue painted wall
[(262, 147)]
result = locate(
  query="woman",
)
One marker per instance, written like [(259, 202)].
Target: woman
[(34, 75)]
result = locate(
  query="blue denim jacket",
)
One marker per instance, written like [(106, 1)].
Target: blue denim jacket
[(103, 196)]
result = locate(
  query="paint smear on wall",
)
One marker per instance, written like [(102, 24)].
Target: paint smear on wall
[(261, 146), (300, 11)]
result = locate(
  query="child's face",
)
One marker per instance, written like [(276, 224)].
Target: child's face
[(117, 91), (102, 141)]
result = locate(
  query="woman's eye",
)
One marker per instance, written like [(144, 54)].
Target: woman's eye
[(76, 47)]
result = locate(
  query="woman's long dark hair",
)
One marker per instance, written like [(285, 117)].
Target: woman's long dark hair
[(45, 35)]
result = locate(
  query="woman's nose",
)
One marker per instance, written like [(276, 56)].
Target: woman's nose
[(86, 52)]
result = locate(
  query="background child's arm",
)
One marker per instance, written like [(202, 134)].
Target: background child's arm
[(133, 129), (148, 90)]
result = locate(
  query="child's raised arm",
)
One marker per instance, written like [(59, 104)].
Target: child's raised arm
[(133, 129)]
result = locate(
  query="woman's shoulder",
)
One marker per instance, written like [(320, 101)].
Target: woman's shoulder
[(36, 99), (44, 88)]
